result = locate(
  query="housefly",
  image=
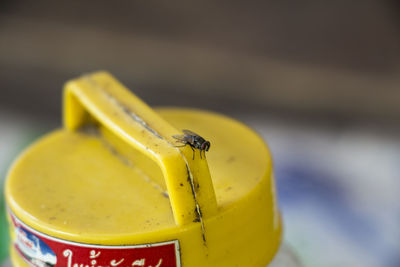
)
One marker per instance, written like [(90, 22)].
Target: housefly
[(194, 140)]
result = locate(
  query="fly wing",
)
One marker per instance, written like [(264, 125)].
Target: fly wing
[(181, 138), (189, 132)]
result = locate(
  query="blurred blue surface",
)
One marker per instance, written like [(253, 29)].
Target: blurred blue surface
[(338, 191)]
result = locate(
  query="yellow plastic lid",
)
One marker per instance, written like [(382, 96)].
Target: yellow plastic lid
[(115, 178)]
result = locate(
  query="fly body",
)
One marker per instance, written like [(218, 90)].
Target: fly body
[(194, 140)]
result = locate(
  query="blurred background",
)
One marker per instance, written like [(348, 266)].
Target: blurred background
[(320, 80)]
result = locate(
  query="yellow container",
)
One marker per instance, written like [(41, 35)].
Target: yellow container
[(115, 188)]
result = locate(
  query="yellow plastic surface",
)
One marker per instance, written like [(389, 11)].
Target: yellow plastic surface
[(114, 176)]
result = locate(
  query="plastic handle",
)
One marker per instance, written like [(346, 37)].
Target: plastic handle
[(103, 98)]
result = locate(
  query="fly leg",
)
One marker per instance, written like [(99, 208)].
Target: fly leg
[(193, 151)]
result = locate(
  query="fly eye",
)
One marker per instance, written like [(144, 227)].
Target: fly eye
[(207, 146)]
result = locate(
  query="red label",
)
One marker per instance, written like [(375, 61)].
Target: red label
[(38, 249)]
